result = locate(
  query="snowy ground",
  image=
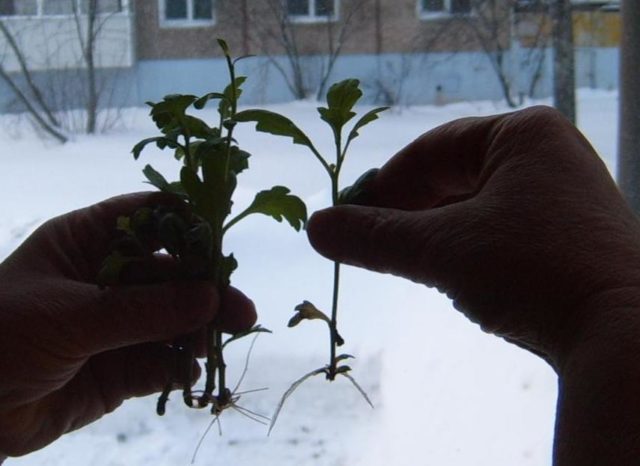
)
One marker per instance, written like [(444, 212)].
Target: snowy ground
[(445, 393)]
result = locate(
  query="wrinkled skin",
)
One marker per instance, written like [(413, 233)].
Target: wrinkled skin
[(517, 220), (71, 352)]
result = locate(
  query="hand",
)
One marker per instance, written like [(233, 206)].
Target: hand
[(515, 217), (70, 352)]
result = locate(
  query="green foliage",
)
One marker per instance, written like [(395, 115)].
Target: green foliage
[(341, 98), (276, 124), (192, 231)]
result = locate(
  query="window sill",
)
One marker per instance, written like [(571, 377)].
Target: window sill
[(305, 19), (186, 23), (443, 15)]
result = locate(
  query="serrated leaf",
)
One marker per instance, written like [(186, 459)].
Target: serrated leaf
[(276, 124), (367, 118), (167, 113), (278, 204), (341, 98), (155, 178)]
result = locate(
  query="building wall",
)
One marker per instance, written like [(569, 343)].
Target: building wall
[(51, 42)]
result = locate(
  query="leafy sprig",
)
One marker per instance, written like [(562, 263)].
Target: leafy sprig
[(341, 100), (192, 230)]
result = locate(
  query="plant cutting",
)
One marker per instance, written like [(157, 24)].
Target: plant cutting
[(193, 228), (341, 99)]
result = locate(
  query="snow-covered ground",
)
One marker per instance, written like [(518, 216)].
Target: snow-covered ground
[(445, 392)]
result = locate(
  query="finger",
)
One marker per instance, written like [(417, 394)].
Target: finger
[(86, 235), (442, 164), (237, 312), (414, 245), (123, 316), (156, 269)]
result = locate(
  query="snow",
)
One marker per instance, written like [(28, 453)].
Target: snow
[(444, 392)]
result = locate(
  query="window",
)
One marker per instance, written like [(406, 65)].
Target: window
[(311, 10), (185, 13), (58, 7), (438, 8), (18, 7)]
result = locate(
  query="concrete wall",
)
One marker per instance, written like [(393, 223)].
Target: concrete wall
[(401, 79)]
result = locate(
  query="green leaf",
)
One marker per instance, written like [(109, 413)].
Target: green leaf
[(367, 118), (228, 265), (357, 193), (274, 123), (112, 268), (202, 101), (155, 178), (160, 141), (171, 231), (341, 98), (307, 311), (244, 333), (223, 45), (278, 203), (192, 184), (168, 113), (238, 160)]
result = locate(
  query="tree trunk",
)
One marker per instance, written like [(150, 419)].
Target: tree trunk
[(89, 53), (564, 87), (629, 124)]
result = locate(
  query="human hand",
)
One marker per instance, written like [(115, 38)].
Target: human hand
[(70, 352), (514, 217)]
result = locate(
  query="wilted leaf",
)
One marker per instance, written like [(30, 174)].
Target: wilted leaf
[(307, 311)]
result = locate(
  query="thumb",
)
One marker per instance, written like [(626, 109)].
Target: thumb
[(127, 315), (422, 246)]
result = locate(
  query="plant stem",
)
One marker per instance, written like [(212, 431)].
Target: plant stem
[(334, 320), (336, 272)]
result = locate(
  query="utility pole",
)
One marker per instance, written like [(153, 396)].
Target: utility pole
[(564, 80), (629, 116)]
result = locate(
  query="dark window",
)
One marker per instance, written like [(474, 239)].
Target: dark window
[(325, 7), (58, 7), (101, 6), (298, 7), (433, 6), (175, 9), (202, 9), (7, 8), (460, 6)]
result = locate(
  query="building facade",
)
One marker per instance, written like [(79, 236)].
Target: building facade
[(404, 51)]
